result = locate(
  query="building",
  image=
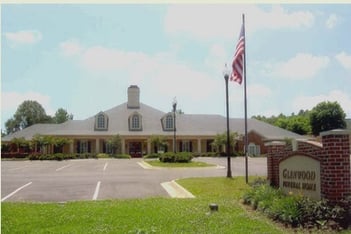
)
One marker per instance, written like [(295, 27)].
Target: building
[(136, 123)]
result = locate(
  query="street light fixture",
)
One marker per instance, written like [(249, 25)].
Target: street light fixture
[(174, 104), (226, 73)]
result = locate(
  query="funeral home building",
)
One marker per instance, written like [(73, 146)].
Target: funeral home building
[(136, 122)]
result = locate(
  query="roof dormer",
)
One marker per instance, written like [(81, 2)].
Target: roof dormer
[(101, 122)]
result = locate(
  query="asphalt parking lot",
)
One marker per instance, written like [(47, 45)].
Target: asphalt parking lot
[(99, 179)]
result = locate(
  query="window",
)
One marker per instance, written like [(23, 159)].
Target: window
[(186, 146), (101, 122), (135, 122), (254, 150), (84, 146), (169, 122)]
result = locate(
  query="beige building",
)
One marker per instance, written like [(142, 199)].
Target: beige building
[(136, 123)]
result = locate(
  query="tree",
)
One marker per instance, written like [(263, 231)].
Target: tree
[(62, 116), (327, 116), (299, 124), (27, 114), (158, 142), (19, 143), (11, 126), (59, 143), (220, 140), (115, 142)]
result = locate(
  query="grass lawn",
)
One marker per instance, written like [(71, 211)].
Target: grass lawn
[(157, 163), (151, 215)]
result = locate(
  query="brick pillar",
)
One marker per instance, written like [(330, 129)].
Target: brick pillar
[(335, 165), (275, 151)]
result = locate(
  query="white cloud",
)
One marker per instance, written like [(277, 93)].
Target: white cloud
[(162, 72), (279, 18), (24, 37), (301, 66), (331, 21), (223, 21), (344, 59), (258, 90), (308, 102), (217, 54), (11, 100), (71, 47)]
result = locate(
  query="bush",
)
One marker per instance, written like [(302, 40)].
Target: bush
[(181, 157), (14, 155), (153, 155), (167, 157), (101, 155), (297, 211), (127, 156), (286, 210)]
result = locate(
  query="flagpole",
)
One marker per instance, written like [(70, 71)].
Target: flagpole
[(245, 107)]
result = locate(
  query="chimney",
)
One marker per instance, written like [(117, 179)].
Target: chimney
[(133, 97)]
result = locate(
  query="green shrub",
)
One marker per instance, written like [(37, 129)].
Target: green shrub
[(297, 211), (181, 157), (152, 155), (321, 214), (286, 210), (126, 156), (58, 157), (34, 157), (102, 155), (167, 157)]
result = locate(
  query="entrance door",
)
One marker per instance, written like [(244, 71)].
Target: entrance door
[(135, 149)]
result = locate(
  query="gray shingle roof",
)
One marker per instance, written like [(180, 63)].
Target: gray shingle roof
[(187, 125)]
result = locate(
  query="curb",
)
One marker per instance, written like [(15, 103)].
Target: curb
[(175, 190)]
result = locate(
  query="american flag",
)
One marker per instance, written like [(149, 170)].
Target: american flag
[(238, 61)]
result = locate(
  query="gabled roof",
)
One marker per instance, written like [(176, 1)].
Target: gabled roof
[(186, 125), (28, 133)]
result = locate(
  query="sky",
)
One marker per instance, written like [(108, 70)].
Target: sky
[(83, 57)]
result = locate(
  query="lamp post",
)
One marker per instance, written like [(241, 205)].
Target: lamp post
[(174, 104), (226, 73)]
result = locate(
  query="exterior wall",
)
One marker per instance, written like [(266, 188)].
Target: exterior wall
[(275, 152), (336, 166), (334, 157), (257, 139)]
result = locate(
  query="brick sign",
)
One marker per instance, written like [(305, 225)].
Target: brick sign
[(300, 174)]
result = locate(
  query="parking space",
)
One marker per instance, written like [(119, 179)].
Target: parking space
[(92, 179)]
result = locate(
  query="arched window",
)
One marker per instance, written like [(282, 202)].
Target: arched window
[(135, 122), (169, 122), (101, 122)]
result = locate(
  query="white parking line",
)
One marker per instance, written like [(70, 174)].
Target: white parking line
[(59, 169), (18, 168), (105, 166), (11, 194), (96, 193)]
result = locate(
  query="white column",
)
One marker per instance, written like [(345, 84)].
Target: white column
[(71, 147), (97, 145), (148, 146), (123, 146), (199, 146)]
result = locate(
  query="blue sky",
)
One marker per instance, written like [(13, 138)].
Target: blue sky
[(84, 57)]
